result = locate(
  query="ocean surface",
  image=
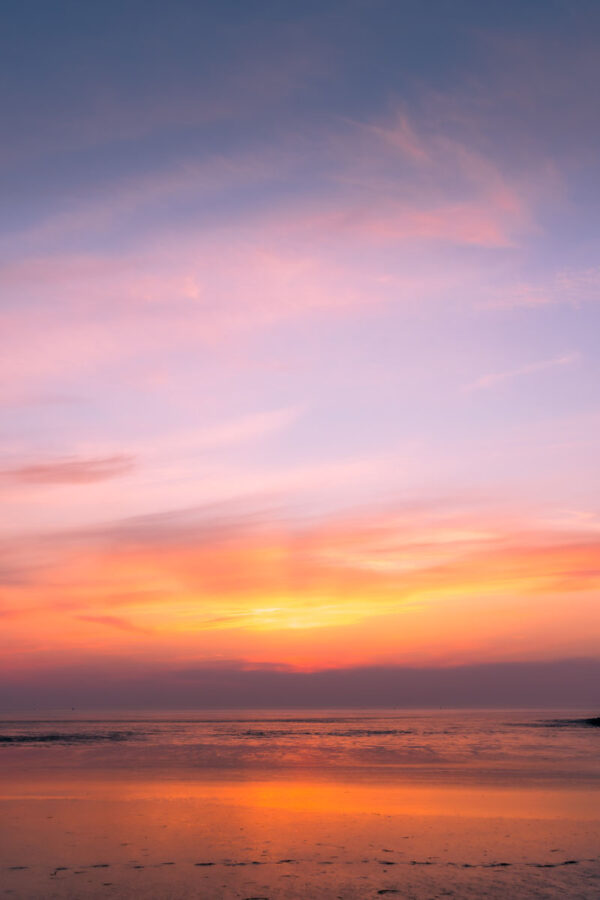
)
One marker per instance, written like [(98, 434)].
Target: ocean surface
[(303, 803), (504, 744)]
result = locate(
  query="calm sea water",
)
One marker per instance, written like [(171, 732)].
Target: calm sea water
[(286, 805), (500, 744)]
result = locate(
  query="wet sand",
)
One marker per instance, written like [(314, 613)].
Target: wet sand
[(302, 837)]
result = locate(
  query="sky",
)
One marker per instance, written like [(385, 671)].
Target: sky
[(299, 311)]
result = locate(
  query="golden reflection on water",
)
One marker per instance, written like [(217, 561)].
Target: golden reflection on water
[(320, 796)]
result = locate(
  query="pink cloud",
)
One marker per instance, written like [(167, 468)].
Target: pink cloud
[(360, 167), (567, 287), (117, 622), (470, 224), (494, 378), (400, 135), (69, 470), (79, 313), (401, 182)]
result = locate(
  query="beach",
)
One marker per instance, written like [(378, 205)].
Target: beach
[(299, 807)]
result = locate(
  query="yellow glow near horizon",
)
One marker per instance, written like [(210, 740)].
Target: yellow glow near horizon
[(327, 596)]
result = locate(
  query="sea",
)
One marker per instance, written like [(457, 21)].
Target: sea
[(345, 803), (502, 745)]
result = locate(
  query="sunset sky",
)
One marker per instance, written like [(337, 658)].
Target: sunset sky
[(299, 306)]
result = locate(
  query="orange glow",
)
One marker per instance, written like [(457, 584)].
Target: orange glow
[(328, 798), (376, 589)]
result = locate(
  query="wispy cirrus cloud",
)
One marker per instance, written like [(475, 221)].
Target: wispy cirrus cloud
[(564, 287), (235, 267), (391, 177), (70, 470), (372, 186), (495, 378), (449, 191), (117, 622)]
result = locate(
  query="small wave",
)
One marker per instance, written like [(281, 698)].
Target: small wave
[(350, 732), (369, 732), (65, 738), (273, 733), (592, 722)]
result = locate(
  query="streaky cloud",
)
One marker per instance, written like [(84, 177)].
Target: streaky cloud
[(494, 378), (70, 470)]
